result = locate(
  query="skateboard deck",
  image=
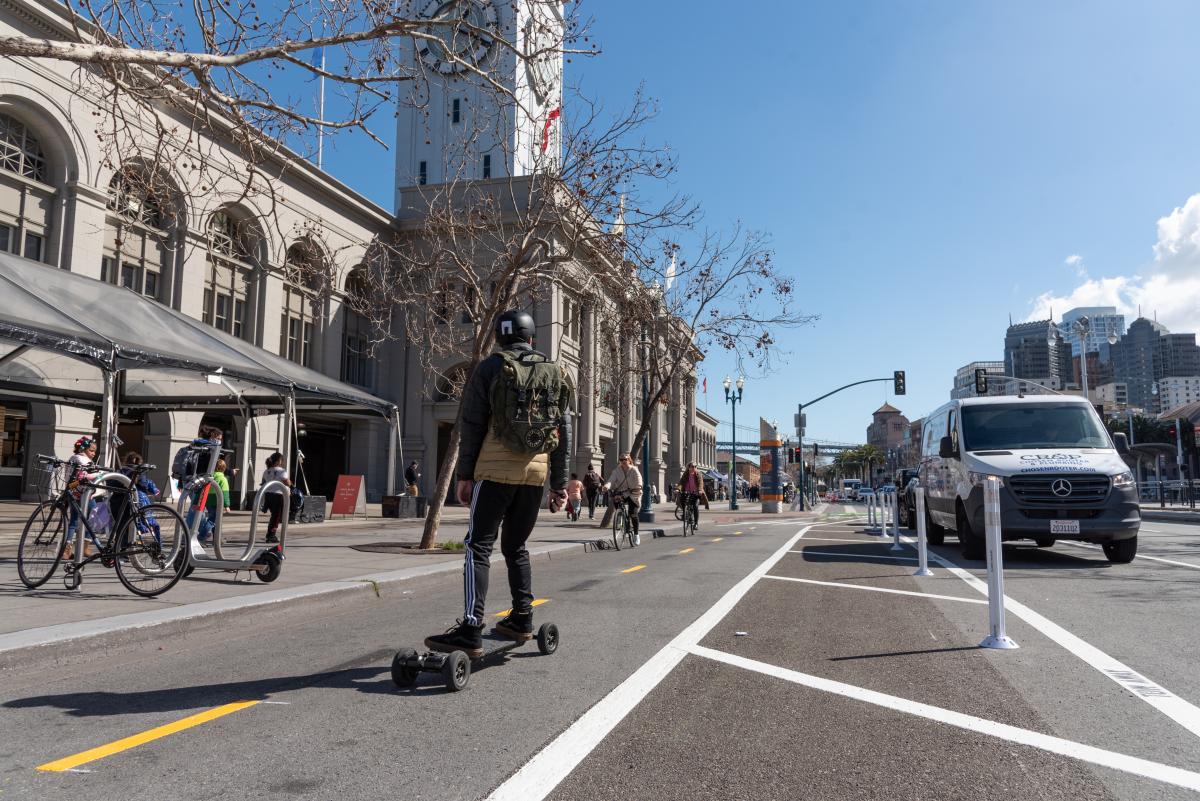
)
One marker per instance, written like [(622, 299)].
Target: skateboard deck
[(455, 667)]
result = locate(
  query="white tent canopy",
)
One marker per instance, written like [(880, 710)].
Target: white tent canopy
[(74, 340)]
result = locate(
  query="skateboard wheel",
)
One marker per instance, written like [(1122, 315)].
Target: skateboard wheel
[(456, 671), (404, 675), (547, 638)]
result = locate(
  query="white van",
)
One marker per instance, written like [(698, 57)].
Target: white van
[(1062, 474)]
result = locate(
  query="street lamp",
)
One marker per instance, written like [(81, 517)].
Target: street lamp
[(1083, 327), (734, 398)]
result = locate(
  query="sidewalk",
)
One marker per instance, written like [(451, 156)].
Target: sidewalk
[(325, 563), (1152, 511)]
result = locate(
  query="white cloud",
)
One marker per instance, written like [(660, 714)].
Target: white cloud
[(1075, 262), (1169, 287)]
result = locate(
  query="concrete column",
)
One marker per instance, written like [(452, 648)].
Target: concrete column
[(52, 430), (83, 244)]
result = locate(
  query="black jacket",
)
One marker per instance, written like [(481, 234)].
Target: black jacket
[(477, 416)]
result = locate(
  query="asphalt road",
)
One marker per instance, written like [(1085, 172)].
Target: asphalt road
[(828, 673)]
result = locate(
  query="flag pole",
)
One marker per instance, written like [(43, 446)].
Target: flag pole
[(321, 110)]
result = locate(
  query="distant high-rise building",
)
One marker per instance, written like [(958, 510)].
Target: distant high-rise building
[(1102, 321), (1036, 351), (1148, 353), (964, 379)]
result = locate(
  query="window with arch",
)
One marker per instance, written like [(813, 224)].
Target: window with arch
[(357, 365), (232, 275), (299, 325), (26, 200), (138, 244)]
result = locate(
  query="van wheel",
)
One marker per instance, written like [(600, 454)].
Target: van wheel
[(1121, 552), (973, 546), (1044, 542), (934, 534)]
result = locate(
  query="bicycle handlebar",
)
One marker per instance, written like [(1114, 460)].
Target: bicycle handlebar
[(54, 460)]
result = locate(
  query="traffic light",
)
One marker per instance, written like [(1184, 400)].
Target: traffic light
[(898, 382), (1171, 431), (981, 381), (816, 451), (796, 455)]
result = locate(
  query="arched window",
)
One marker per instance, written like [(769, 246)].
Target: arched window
[(357, 365), (25, 198), (304, 263), (138, 246), (232, 274)]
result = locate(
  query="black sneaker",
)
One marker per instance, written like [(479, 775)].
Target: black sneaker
[(517, 626), (272, 538), (462, 636)]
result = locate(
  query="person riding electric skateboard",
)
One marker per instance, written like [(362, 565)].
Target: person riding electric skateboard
[(516, 433)]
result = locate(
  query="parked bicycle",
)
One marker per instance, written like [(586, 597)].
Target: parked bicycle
[(141, 541), (622, 526)]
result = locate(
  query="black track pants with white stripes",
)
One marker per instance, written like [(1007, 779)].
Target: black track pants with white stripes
[(511, 510)]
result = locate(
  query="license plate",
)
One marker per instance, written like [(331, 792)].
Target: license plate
[(1064, 526)]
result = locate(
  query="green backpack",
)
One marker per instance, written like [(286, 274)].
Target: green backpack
[(528, 399)]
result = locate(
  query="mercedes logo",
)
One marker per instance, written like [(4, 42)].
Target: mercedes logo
[(1061, 487)]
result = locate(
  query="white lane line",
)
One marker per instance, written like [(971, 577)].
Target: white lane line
[(858, 555), (543, 772), (878, 589), (1055, 745), (1139, 556), (1159, 697)]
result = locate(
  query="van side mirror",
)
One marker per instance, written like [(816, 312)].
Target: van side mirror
[(1122, 442), (946, 448)]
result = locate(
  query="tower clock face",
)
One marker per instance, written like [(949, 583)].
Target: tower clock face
[(463, 35), (541, 57)]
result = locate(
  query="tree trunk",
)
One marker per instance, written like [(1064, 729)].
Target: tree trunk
[(433, 517)]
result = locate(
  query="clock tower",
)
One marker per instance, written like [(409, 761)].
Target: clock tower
[(453, 125)]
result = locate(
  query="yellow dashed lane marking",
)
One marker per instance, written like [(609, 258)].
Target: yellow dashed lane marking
[(737, 533), (687, 550), (91, 755), (633, 569), (538, 602), (716, 539)]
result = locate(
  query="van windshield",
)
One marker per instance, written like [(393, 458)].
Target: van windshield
[(1041, 425)]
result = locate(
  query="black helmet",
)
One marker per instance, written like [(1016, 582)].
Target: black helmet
[(515, 326)]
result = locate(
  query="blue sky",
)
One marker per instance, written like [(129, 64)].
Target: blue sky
[(925, 168)]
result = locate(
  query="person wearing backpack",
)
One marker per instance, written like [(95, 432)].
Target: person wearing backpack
[(591, 486), (189, 463), (516, 434)]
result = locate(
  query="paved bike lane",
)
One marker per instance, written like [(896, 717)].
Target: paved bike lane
[(853, 682)]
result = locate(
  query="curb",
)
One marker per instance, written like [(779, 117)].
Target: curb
[(73, 642), (1171, 517)]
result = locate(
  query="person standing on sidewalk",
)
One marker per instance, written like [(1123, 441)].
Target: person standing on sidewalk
[(273, 498), (412, 478), (591, 486), (516, 433)]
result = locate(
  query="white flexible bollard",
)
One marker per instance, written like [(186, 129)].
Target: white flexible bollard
[(871, 515), (895, 498), (995, 567), (922, 544), (881, 512)]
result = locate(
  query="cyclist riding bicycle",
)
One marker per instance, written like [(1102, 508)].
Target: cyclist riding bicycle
[(624, 485), (691, 491)]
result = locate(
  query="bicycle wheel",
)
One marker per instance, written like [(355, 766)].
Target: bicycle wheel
[(629, 531), (146, 559), (689, 521), (617, 526), (42, 544)]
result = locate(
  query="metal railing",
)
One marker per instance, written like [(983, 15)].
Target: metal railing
[(1178, 494)]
